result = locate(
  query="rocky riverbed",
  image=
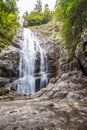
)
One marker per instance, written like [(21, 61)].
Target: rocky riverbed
[(59, 106)]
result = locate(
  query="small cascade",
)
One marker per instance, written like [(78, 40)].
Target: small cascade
[(29, 48), (43, 69)]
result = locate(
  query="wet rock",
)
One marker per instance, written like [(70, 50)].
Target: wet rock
[(4, 81), (59, 106), (17, 39), (51, 49), (66, 86), (9, 61)]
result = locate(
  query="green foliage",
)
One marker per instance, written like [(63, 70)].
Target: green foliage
[(33, 19), (38, 18), (73, 15), (47, 15), (8, 21)]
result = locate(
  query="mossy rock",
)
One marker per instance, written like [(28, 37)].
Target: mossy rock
[(2, 45), (56, 28), (3, 92), (8, 43)]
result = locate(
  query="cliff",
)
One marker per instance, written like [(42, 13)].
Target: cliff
[(62, 105)]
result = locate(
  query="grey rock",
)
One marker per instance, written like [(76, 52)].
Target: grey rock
[(4, 81), (9, 61)]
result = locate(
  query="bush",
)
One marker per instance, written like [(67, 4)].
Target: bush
[(36, 18)]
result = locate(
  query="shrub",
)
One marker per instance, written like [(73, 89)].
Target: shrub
[(37, 18)]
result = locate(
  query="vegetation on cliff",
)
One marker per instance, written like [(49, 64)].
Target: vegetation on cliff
[(70, 22), (73, 16), (8, 21), (67, 26)]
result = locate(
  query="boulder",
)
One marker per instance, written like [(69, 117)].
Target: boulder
[(67, 85)]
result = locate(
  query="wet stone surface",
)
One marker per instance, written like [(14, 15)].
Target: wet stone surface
[(59, 106)]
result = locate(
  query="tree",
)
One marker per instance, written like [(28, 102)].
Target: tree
[(8, 6), (46, 6), (37, 17), (38, 6), (8, 21), (34, 18), (26, 13), (56, 4), (47, 15)]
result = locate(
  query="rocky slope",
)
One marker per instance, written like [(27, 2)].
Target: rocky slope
[(62, 105)]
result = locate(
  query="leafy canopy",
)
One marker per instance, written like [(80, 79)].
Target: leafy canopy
[(38, 17)]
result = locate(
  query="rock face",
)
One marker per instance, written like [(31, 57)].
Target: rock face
[(60, 106), (80, 58), (51, 49), (68, 82), (9, 60), (82, 52)]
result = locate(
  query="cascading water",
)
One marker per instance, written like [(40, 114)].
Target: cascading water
[(28, 55), (43, 70)]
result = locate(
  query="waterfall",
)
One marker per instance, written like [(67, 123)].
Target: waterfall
[(29, 48), (43, 70)]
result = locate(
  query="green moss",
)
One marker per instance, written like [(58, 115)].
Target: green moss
[(56, 28), (46, 33), (34, 27), (2, 45)]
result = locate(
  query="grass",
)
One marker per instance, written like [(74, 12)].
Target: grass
[(50, 29)]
